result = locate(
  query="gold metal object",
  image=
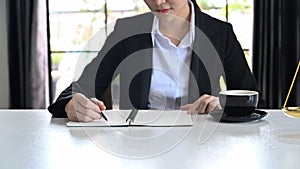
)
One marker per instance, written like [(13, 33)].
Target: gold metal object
[(291, 111)]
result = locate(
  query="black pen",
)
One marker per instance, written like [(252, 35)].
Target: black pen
[(132, 114), (101, 113)]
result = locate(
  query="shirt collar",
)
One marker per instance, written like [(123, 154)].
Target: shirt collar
[(187, 39)]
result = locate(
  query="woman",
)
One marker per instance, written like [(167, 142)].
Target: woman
[(173, 33)]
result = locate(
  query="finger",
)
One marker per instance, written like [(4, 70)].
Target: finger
[(70, 110), (213, 105), (100, 104), (193, 108), (187, 108), (204, 103), (79, 108), (203, 100), (83, 118), (86, 103)]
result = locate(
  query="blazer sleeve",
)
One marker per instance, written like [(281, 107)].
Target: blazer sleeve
[(237, 72), (86, 82)]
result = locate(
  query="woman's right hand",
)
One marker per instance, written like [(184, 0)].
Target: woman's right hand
[(81, 108)]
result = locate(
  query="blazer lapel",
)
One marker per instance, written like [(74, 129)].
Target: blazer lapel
[(199, 82), (206, 67), (139, 47), (140, 86)]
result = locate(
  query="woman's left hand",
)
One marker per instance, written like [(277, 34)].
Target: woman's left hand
[(205, 104)]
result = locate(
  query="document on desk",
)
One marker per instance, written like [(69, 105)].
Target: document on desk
[(143, 118)]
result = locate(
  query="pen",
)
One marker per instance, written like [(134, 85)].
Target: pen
[(101, 113), (132, 114)]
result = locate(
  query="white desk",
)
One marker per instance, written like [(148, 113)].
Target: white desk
[(31, 139)]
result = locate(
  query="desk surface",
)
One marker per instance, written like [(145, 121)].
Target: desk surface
[(31, 139)]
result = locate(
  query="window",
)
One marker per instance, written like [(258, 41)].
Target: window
[(74, 22), (239, 13)]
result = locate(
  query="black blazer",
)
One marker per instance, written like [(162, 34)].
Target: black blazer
[(128, 52)]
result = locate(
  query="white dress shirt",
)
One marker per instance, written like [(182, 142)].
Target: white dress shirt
[(171, 67)]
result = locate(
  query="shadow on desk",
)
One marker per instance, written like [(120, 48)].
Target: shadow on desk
[(290, 136)]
